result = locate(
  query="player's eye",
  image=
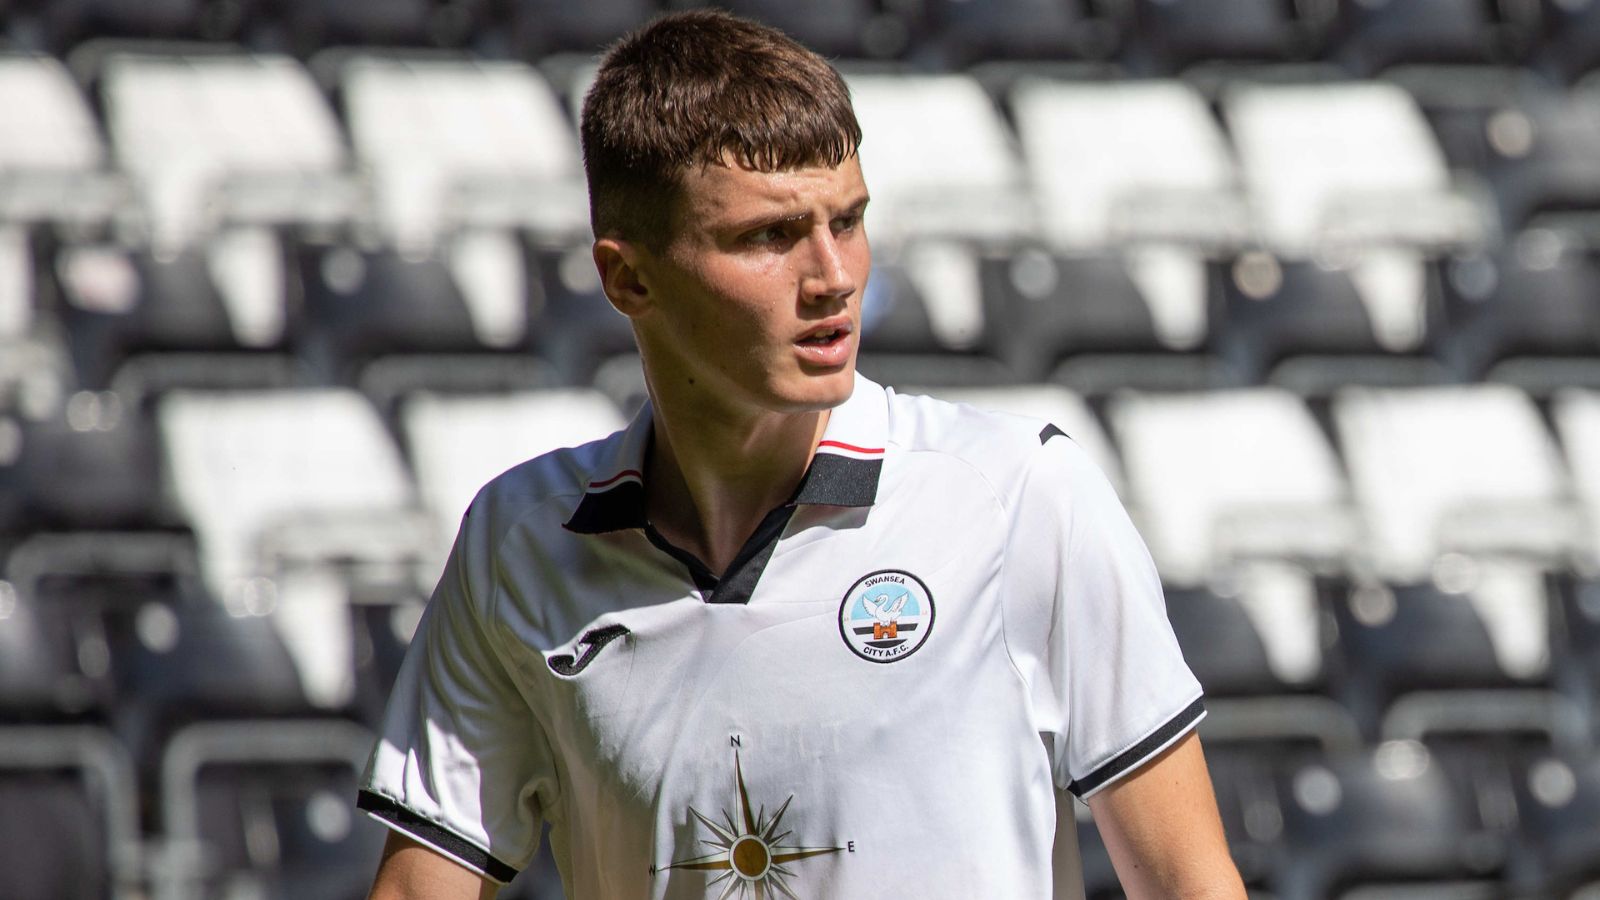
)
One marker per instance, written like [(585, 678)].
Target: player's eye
[(767, 235), (845, 223)]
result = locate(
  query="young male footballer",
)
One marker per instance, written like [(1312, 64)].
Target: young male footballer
[(789, 633)]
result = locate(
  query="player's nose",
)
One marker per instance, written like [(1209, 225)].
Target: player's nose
[(829, 275)]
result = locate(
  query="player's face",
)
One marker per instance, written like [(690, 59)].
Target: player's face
[(756, 297)]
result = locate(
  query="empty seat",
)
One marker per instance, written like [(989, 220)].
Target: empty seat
[(570, 321), (363, 305), (53, 162), (1532, 307), (386, 23), (218, 139), (923, 318), (1577, 419), (293, 495), (1558, 808), (1313, 327), (265, 807), (1386, 817), (1571, 42), (541, 27), (1537, 149), (1470, 469), (940, 159), (72, 827), (74, 21), (91, 462), (1342, 162), (1085, 320), (43, 652), (1421, 655), (961, 33), (163, 651), (833, 28), (122, 304), (1128, 161), (453, 143), (1231, 475), (1175, 35), (1375, 36)]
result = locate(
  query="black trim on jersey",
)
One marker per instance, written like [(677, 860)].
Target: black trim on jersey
[(739, 582), (834, 480), (704, 578), (1133, 756), (430, 832), (1051, 431), (619, 507)]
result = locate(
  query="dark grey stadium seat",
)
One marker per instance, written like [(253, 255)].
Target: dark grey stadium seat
[(1171, 36), (1374, 36), (1385, 816), (960, 33), (571, 323), (1570, 45), (834, 28), (1042, 311), (541, 27), (362, 305), (266, 808), (70, 830), (1397, 639), (1267, 312), (1526, 301), (1558, 808)]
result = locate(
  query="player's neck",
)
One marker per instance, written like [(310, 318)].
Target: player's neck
[(711, 478)]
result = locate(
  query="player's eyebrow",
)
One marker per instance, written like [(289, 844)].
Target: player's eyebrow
[(856, 207)]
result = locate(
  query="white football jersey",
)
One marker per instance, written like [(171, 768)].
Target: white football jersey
[(878, 698)]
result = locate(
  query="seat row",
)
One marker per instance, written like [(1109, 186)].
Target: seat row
[(1149, 35)]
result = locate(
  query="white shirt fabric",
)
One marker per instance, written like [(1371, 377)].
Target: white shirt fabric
[(952, 618)]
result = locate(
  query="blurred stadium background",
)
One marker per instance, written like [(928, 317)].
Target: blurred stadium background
[(282, 281)]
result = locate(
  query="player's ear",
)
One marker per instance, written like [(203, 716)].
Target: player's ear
[(618, 262)]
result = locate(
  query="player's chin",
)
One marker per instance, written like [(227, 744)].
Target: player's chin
[(819, 387)]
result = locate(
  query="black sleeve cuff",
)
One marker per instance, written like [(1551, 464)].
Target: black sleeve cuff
[(454, 845), (1135, 756)]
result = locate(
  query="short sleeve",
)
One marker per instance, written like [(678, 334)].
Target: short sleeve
[(462, 764), (1086, 624)]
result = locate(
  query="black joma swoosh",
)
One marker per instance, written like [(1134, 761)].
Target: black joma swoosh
[(564, 664)]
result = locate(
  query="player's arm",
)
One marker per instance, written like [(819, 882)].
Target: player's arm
[(1161, 827), (411, 871)]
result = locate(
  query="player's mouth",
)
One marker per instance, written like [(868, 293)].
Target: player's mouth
[(827, 344)]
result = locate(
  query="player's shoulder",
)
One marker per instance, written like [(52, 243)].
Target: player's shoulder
[(1004, 447), (541, 492)]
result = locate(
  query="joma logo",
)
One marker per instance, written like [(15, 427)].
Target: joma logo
[(596, 639)]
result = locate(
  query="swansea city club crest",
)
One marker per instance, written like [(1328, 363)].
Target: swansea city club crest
[(886, 615)]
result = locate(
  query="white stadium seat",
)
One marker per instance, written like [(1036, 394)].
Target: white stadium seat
[(1231, 475), (52, 158), (280, 486), (1577, 419), (1344, 163), (243, 139), (939, 160), (463, 143), (1460, 469), (1127, 160)]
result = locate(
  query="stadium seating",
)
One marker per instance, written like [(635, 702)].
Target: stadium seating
[(1314, 283), (80, 836)]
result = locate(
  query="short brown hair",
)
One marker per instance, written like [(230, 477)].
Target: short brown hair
[(703, 87)]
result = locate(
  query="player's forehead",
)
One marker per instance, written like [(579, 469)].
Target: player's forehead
[(728, 194)]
